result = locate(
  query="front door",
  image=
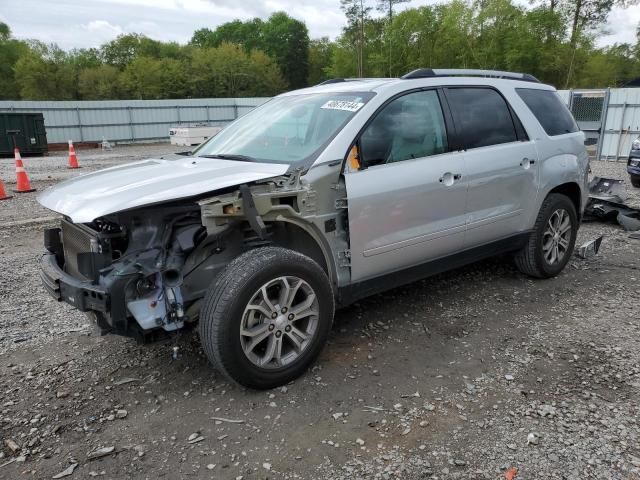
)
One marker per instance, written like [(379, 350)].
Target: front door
[(407, 199)]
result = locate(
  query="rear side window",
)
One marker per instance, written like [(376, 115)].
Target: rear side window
[(554, 117), (482, 117)]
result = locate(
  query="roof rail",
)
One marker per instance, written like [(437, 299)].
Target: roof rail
[(452, 72), (333, 80), (340, 80)]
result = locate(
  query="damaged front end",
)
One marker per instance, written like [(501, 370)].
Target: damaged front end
[(144, 272), (127, 268)]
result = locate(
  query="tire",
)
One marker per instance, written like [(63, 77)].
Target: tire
[(635, 180), (533, 259), (226, 312)]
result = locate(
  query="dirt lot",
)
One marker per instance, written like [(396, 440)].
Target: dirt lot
[(467, 375)]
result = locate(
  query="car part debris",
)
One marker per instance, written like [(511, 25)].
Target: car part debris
[(101, 452), (226, 420), (606, 204), (630, 222), (66, 472), (589, 248), (608, 189)]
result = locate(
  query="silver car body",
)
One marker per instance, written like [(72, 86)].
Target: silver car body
[(359, 224)]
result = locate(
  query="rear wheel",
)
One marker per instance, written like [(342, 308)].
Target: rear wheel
[(635, 180), (267, 317), (551, 243)]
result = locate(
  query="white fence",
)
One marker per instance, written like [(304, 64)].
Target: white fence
[(610, 117), (129, 120)]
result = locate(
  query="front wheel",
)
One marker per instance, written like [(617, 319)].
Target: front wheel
[(635, 180), (552, 240), (267, 317)]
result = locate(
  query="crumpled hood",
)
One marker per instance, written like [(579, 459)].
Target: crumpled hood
[(114, 189)]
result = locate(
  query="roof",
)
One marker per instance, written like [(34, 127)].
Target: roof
[(381, 84)]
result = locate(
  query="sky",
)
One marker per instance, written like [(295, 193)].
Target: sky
[(90, 23)]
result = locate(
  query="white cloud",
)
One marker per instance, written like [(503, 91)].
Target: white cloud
[(621, 26), (101, 31)]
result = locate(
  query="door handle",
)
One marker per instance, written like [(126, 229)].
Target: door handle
[(526, 162), (449, 178)]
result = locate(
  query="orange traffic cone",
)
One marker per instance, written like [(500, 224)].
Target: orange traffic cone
[(22, 181), (3, 192), (73, 160)]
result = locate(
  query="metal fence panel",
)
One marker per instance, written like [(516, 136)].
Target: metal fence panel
[(623, 123), (130, 120), (620, 123)]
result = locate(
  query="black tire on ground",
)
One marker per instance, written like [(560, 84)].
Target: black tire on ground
[(531, 260), (224, 306), (635, 180)]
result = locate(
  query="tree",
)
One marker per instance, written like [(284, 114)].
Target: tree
[(357, 14), (248, 34), (45, 73), (282, 37), (142, 78), (286, 40), (5, 32), (121, 51), (11, 51), (100, 83), (320, 52), (228, 71), (386, 6)]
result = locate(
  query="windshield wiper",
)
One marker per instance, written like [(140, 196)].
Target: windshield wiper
[(229, 156)]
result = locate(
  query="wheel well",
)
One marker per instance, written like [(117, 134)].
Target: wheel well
[(293, 237), (571, 190)]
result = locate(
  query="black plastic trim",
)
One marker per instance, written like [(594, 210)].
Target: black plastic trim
[(352, 293), (83, 295)]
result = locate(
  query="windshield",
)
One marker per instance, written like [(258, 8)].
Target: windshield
[(287, 129)]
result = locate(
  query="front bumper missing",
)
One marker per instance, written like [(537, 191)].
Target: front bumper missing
[(83, 295)]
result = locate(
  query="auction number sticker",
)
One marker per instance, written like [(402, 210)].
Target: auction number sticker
[(343, 105)]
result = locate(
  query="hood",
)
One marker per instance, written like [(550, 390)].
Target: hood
[(124, 187)]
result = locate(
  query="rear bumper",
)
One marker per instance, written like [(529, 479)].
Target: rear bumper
[(83, 295)]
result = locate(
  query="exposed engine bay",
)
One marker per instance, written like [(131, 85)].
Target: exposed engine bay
[(144, 272)]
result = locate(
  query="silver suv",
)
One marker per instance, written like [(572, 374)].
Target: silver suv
[(317, 198)]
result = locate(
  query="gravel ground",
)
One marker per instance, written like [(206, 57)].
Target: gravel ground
[(473, 374)]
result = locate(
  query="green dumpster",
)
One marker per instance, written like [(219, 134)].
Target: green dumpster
[(23, 130)]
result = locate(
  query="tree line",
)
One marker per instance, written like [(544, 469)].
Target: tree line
[(554, 40)]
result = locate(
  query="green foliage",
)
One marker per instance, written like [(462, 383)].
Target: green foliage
[(282, 37), (487, 34), (228, 71), (45, 72), (286, 40), (99, 83), (10, 52), (320, 52), (553, 40)]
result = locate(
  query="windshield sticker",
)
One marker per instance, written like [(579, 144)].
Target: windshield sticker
[(342, 105)]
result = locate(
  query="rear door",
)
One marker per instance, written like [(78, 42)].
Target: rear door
[(407, 199), (500, 161)]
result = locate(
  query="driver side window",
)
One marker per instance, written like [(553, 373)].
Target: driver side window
[(411, 126)]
